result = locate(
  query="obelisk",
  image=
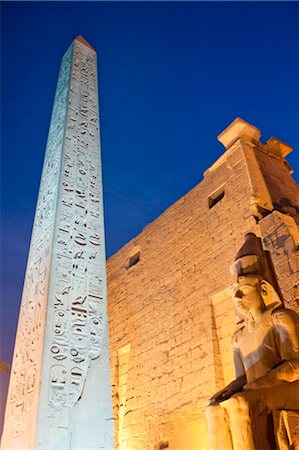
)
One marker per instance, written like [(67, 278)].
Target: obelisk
[(59, 393)]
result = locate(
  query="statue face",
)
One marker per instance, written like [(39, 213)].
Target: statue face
[(248, 298)]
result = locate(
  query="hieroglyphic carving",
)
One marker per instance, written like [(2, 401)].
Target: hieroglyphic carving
[(23, 392), (76, 297), (63, 323)]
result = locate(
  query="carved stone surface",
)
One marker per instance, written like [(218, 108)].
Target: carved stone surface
[(251, 412), (59, 394), (176, 300)]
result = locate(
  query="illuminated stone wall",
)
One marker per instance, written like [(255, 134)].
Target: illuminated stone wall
[(59, 393), (169, 306)]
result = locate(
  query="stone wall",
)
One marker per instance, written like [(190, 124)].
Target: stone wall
[(169, 307)]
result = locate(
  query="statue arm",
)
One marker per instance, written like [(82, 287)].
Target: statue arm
[(233, 387), (286, 372), (286, 323)]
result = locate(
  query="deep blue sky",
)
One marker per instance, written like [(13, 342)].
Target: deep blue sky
[(172, 76)]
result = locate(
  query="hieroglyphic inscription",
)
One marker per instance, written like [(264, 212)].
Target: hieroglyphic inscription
[(23, 392), (63, 323), (76, 297)]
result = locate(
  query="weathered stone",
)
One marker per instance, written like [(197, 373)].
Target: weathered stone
[(182, 282), (249, 412), (59, 394)]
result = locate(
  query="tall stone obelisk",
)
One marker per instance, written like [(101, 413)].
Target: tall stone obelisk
[(59, 393)]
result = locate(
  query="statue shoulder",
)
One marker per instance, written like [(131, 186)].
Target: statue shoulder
[(284, 317), (286, 325)]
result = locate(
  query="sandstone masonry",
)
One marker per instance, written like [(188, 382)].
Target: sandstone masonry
[(169, 303)]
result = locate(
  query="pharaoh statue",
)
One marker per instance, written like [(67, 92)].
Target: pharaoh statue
[(251, 412)]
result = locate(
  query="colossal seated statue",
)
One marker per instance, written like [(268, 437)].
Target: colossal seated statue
[(248, 414)]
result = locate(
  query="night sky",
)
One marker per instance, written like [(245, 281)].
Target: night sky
[(172, 76)]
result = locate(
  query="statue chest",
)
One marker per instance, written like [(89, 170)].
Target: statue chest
[(258, 349)]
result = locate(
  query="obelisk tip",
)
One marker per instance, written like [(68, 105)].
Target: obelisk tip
[(81, 39)]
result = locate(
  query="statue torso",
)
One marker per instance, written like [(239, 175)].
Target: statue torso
[(258, 347)]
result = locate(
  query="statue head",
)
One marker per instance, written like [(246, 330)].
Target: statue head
[(252, 292), (248, 295)]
